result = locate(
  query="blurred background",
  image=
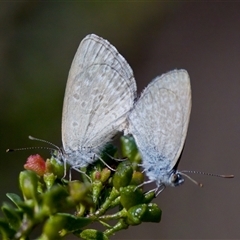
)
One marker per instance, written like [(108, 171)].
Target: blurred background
[(37, 44)]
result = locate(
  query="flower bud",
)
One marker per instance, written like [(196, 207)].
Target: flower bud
[(131, 196), (129, 149), (55, 167), (152, 213), (123, 175), (92, 234), (36, 164)]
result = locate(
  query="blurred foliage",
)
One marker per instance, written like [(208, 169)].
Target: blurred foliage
[(65, 207)]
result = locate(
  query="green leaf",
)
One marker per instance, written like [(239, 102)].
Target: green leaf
[(74, 223), (27, 208), (55, 200), (5, 230), (53, 226), (28, 183), (13, 216), (61, 224), (15, 198)]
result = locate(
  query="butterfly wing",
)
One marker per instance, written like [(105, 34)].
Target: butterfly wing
[(100, 92), (159, 121)]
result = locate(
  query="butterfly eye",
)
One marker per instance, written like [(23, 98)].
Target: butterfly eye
[(174, 177)]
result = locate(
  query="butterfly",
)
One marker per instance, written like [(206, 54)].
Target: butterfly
[(99, 94), (159, 123)]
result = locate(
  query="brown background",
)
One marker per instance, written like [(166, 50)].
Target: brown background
[(37, 44)]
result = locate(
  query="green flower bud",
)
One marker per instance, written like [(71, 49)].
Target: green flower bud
[(152, 214), (96, 190), (144, 213), (92, 234), (123, 175), (137, 178), (105, 174), (129, 149), (131, 196), (149, 196), (49, 179), (55, 167), (136, 213)]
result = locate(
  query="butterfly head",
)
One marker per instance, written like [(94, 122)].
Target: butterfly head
[(175, 179)]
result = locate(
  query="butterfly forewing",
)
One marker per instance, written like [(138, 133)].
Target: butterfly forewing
[(160, 119), (100, 92)]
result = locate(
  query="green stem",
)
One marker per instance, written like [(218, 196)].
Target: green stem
[(118, 215), (119, 226), (113, 195)]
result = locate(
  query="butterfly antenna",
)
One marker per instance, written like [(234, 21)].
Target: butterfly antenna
[(37, 139), (28, 148), (203, 173), (191, 179), (45, 141), (209, 174)]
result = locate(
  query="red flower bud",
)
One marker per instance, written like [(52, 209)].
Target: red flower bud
[(36, 164)]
